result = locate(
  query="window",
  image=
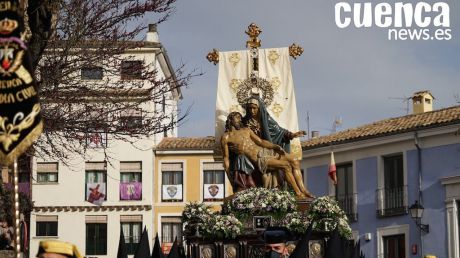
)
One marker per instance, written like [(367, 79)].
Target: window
[(132, 230), (163, 104), (92, 73), (458, 222), (131, 70), (96, 179), (213, 182), (393, 241), (394, 192), (171, 228), (46, 226), (47, 172), (130, 180), (172, 176), (345, 192), (96, 235), (96, 139), (131, 118), (394, 246)]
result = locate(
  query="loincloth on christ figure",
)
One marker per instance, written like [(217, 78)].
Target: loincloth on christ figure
[(262, 159)]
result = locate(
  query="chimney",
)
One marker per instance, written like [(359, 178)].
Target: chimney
[(314, 134), (422, 101), (152, 34)]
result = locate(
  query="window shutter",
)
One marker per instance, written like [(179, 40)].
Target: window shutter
[(95, 166), (171, 166), (42, 218), (95, 219), (131, 218), (47, 167), (213, 166), (130, 166)]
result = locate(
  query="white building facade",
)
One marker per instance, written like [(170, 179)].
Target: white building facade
[(89, 201)]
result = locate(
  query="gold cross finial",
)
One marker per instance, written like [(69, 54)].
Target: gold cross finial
[(254, 42), (253, 32)]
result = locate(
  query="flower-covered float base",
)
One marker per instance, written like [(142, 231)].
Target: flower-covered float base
[(236, 231)]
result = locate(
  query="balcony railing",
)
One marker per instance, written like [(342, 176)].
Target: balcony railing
[(392, 201), (131, 243), (348, 203)]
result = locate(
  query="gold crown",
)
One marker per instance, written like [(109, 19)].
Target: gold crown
[(7, 26)]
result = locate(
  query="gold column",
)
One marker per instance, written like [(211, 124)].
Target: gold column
[(17, 241)]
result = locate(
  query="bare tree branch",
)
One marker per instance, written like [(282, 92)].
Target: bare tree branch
[(71, 35)]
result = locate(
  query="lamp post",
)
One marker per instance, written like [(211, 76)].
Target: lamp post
[(416, 213)]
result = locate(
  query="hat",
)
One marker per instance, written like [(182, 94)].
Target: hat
[(58, 247), (274, 235)]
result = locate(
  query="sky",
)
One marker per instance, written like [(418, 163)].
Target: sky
[(355, 74)]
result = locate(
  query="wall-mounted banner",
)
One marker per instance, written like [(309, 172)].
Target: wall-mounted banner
[(172, 192), (95, 193), (131, 191), (20, 119), (213, 191)]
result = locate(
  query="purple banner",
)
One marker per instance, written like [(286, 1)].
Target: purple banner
[(23, 187), (131, 191)]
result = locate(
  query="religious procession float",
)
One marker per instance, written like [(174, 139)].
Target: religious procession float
[(257, 138)]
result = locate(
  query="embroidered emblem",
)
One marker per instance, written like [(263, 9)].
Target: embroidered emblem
[(234, 59), (273, 56), (275, 82), (277, 109), (10, 133), (234, 84)]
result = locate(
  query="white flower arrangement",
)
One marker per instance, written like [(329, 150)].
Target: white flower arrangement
[(195, 216), (223, 226), (261, 201), (326, 215), (296, 222)]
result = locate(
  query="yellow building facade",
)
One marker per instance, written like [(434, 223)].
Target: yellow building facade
[(185, 171)]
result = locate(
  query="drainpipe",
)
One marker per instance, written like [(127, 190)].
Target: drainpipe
[(419, 168)]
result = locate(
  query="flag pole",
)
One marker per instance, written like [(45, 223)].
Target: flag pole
[(17, 241)]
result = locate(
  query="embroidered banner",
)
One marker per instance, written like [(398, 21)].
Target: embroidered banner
[(131, 191), (95, 193), (172, 192), (20, 119), (213, 191), (279, 97)]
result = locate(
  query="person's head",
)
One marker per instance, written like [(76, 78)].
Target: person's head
[(57, 249), (275, 241), (233, 119), (252, 107)]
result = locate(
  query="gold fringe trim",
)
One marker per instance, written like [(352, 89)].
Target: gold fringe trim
[(22, 146)]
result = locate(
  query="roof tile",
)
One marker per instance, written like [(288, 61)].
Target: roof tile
[(389, 126)]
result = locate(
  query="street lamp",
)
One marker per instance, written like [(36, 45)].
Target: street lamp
[(416, 212)]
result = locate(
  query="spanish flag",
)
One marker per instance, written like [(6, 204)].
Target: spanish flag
[(332, 169)]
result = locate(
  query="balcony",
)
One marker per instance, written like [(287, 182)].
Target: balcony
[(392, 201), (348, 203)]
